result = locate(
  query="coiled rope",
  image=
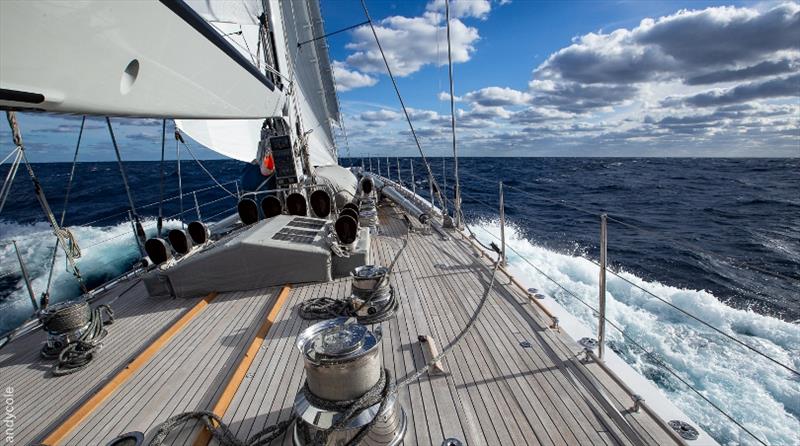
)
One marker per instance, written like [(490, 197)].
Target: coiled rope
[(330, 308), (77, 355)]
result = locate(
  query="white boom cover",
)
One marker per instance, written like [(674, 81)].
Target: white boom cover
[(124, 58), (308, 67)]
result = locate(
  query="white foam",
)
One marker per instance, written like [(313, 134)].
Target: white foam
[(764, 397), (102, 261)]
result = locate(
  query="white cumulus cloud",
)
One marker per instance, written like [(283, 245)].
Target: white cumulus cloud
[(347, 79)]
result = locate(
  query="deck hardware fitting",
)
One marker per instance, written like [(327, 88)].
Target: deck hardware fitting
[(684, 429), (588, 344), (601, 319), (637, 402), (134, 438), (539, 296), (525, 344), (555, 324), (532, 291), (431, 351), (344, 367), (451, 442)]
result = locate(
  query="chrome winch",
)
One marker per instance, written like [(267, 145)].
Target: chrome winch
[(64, 323), (368, 212), (342, 364), (372, 297)]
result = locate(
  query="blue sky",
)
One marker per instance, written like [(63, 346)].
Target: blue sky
[(534, 78)]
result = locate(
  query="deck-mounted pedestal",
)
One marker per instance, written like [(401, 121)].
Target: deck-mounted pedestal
[(342, 364)]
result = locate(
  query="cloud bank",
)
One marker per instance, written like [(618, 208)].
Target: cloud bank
[(718, 80)]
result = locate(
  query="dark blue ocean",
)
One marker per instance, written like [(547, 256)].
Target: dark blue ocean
[(717, 237)]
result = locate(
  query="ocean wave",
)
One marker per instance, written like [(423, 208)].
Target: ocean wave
[(764, 397), (107, 252)]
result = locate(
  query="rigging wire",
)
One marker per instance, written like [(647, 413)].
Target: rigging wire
[(299, 44), (459, 217), (210, 175), (160, 222), (647, 353), (681, 310), (403, 106), (65, 237), (10, 154), (12, 173), (140, 235), (46, 294)]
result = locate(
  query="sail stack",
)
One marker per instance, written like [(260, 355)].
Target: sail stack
[(301, 70)]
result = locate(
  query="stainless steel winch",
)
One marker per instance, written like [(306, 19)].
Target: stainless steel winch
[(371, 294), (368, 213), (343, 363), (64, 322)]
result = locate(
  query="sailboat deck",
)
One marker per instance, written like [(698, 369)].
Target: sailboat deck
[(512, 379)]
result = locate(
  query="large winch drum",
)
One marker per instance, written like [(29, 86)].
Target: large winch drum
[(65, 317), (342, 360), (369, 277)]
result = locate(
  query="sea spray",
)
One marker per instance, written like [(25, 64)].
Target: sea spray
[(107, 252), (764, 397)]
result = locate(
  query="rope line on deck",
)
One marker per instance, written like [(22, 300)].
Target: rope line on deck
[(46, 294), (329, 307)]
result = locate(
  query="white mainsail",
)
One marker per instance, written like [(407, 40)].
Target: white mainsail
[(307, 68), (145, 59)]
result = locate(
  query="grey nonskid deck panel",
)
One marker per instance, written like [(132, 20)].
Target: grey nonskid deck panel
[(496, 390)]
